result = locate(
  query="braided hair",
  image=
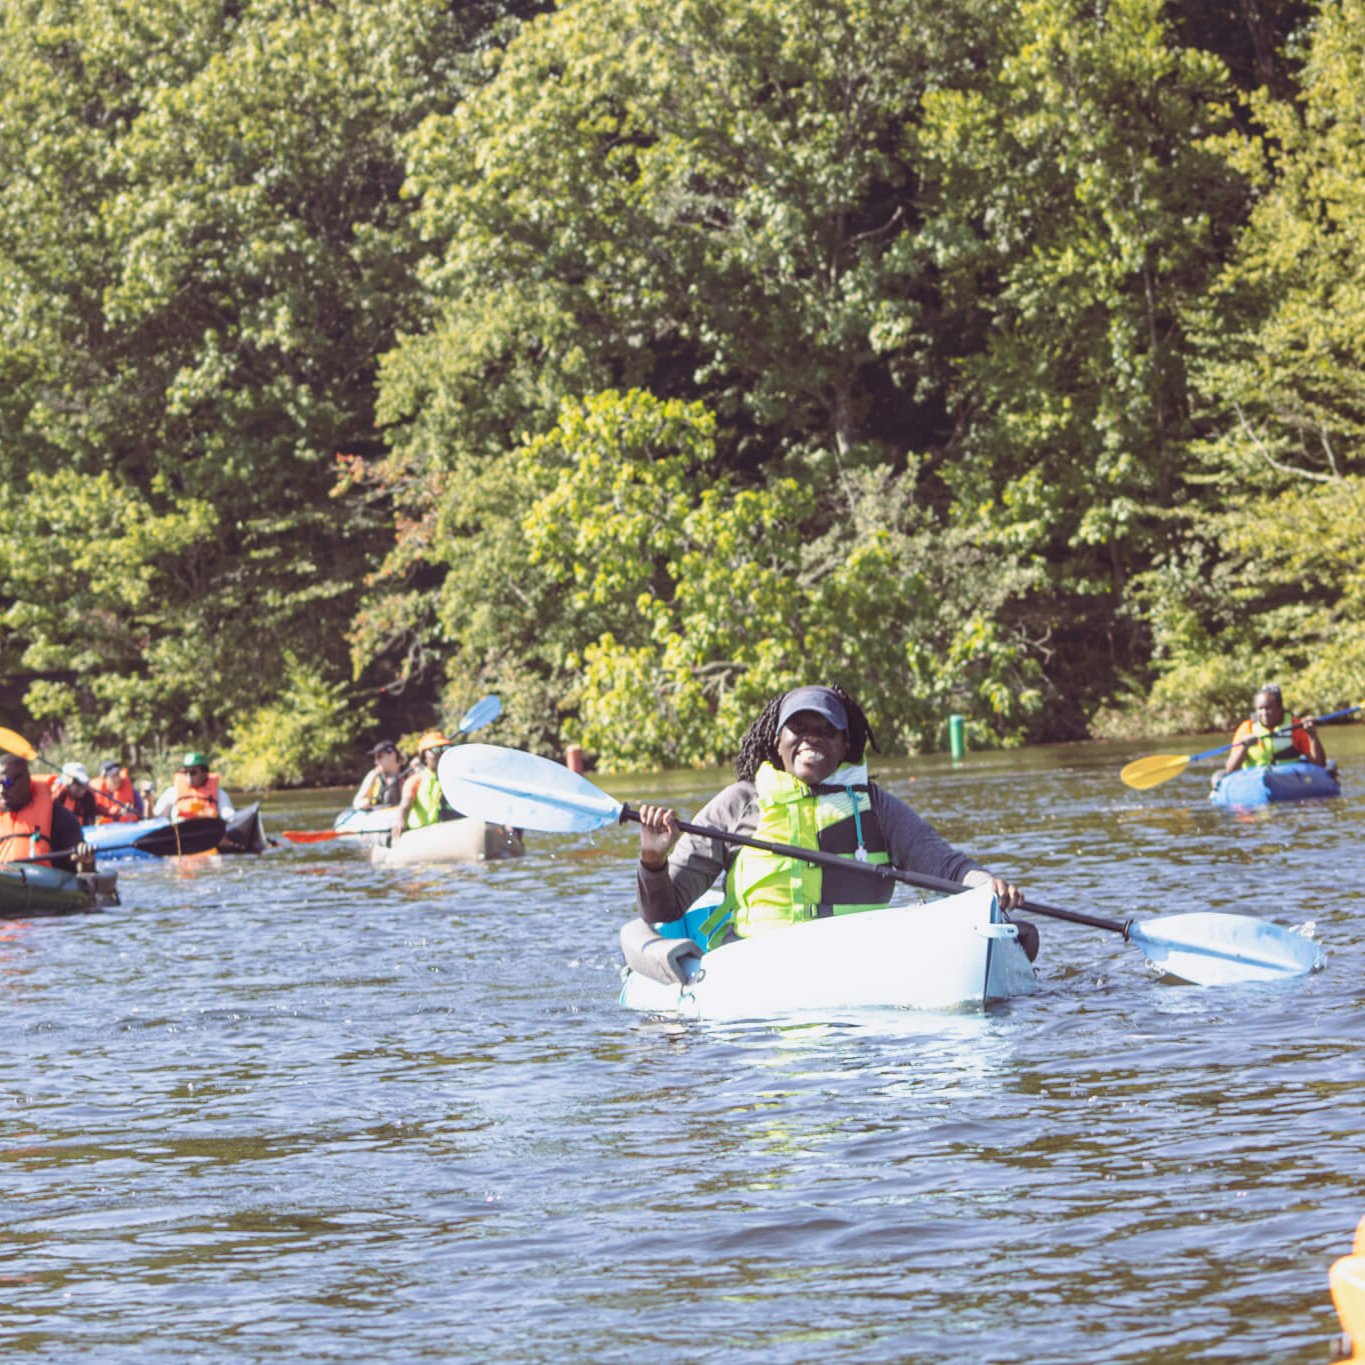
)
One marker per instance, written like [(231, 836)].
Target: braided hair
[(759, 744)]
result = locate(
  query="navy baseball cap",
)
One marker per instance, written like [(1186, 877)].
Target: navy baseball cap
[(818, 699)]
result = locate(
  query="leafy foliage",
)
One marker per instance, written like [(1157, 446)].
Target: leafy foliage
[(309, 730), (1001, 358)]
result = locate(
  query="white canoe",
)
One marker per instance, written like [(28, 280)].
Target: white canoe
[(451, 841), (953, 953)]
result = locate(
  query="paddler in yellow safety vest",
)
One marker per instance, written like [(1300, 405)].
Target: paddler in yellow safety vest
[(1256, 744), (196, 792), (802, 781), (383, 784), (423, 803)]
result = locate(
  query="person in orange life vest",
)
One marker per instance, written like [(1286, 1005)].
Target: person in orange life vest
[(1255, 745), (72, 790), (195, 792), (33, 822), (115, 798)]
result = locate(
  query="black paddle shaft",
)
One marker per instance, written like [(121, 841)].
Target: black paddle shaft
[(883, 870)]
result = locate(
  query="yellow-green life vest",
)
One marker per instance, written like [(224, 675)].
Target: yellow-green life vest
[(426, 804), (1267, 747), (765, 891)]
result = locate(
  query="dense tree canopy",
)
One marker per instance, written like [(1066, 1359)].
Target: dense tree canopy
[(636, 361)]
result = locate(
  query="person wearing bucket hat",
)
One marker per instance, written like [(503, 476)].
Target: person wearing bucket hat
[(383, 784), (196, 792), (802, 780), (72, 790), (423, 802)]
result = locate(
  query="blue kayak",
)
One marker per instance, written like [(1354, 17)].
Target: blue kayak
[(1277, 782), (112, 841), (244, 834)]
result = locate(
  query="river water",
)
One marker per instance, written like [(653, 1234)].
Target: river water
[(298, 1108)]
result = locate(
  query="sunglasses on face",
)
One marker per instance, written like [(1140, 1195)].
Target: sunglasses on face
[(192, 771)]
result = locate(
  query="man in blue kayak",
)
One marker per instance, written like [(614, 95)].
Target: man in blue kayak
[(802, 781), (1256, 742)]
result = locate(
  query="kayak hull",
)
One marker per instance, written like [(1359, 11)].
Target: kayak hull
[(244, 834), (1277, 782), (450, 841), (109, 841), (956, 953), (373, 822), (31, 889)]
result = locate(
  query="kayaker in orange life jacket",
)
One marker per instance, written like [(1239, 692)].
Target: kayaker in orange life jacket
[(115, 798), (196, 792), (33, 822), (1255, 744), (72, 790)]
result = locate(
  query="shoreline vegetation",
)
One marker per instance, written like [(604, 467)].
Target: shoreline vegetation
[(637, 361)]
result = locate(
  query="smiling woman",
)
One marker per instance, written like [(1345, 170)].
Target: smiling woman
[(802, 781)]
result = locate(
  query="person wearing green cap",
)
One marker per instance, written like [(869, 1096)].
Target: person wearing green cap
[(195, 792)]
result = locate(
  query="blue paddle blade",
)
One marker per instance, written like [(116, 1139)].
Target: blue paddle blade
[(1211, 949), (482, 713), (508, 787)]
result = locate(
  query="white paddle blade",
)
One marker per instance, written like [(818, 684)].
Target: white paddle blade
[(1210, 949), (510, 787)]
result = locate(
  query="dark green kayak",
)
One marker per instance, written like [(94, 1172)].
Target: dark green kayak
[(32, 889)]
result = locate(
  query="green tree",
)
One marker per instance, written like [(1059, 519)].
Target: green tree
[(685, 599), (1278, 532), (1076, 208), (203, 252)]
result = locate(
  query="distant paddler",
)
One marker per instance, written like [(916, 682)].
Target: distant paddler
[(33, 822), (1266, 738), (422, 802), (72, 791), (383, 784), (116, 800), (195, 793)]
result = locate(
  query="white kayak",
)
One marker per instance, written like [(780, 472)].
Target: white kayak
[(953, 953), (371, 821), (450, 841)]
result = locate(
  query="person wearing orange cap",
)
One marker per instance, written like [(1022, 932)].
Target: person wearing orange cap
[(423, 802)]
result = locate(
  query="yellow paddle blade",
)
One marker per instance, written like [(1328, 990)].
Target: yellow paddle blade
[(1153, 770), (13, 743)]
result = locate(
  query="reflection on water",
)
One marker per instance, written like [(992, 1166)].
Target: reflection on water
[(299, 1107)]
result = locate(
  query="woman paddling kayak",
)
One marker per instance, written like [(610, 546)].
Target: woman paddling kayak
[(802, 781)]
